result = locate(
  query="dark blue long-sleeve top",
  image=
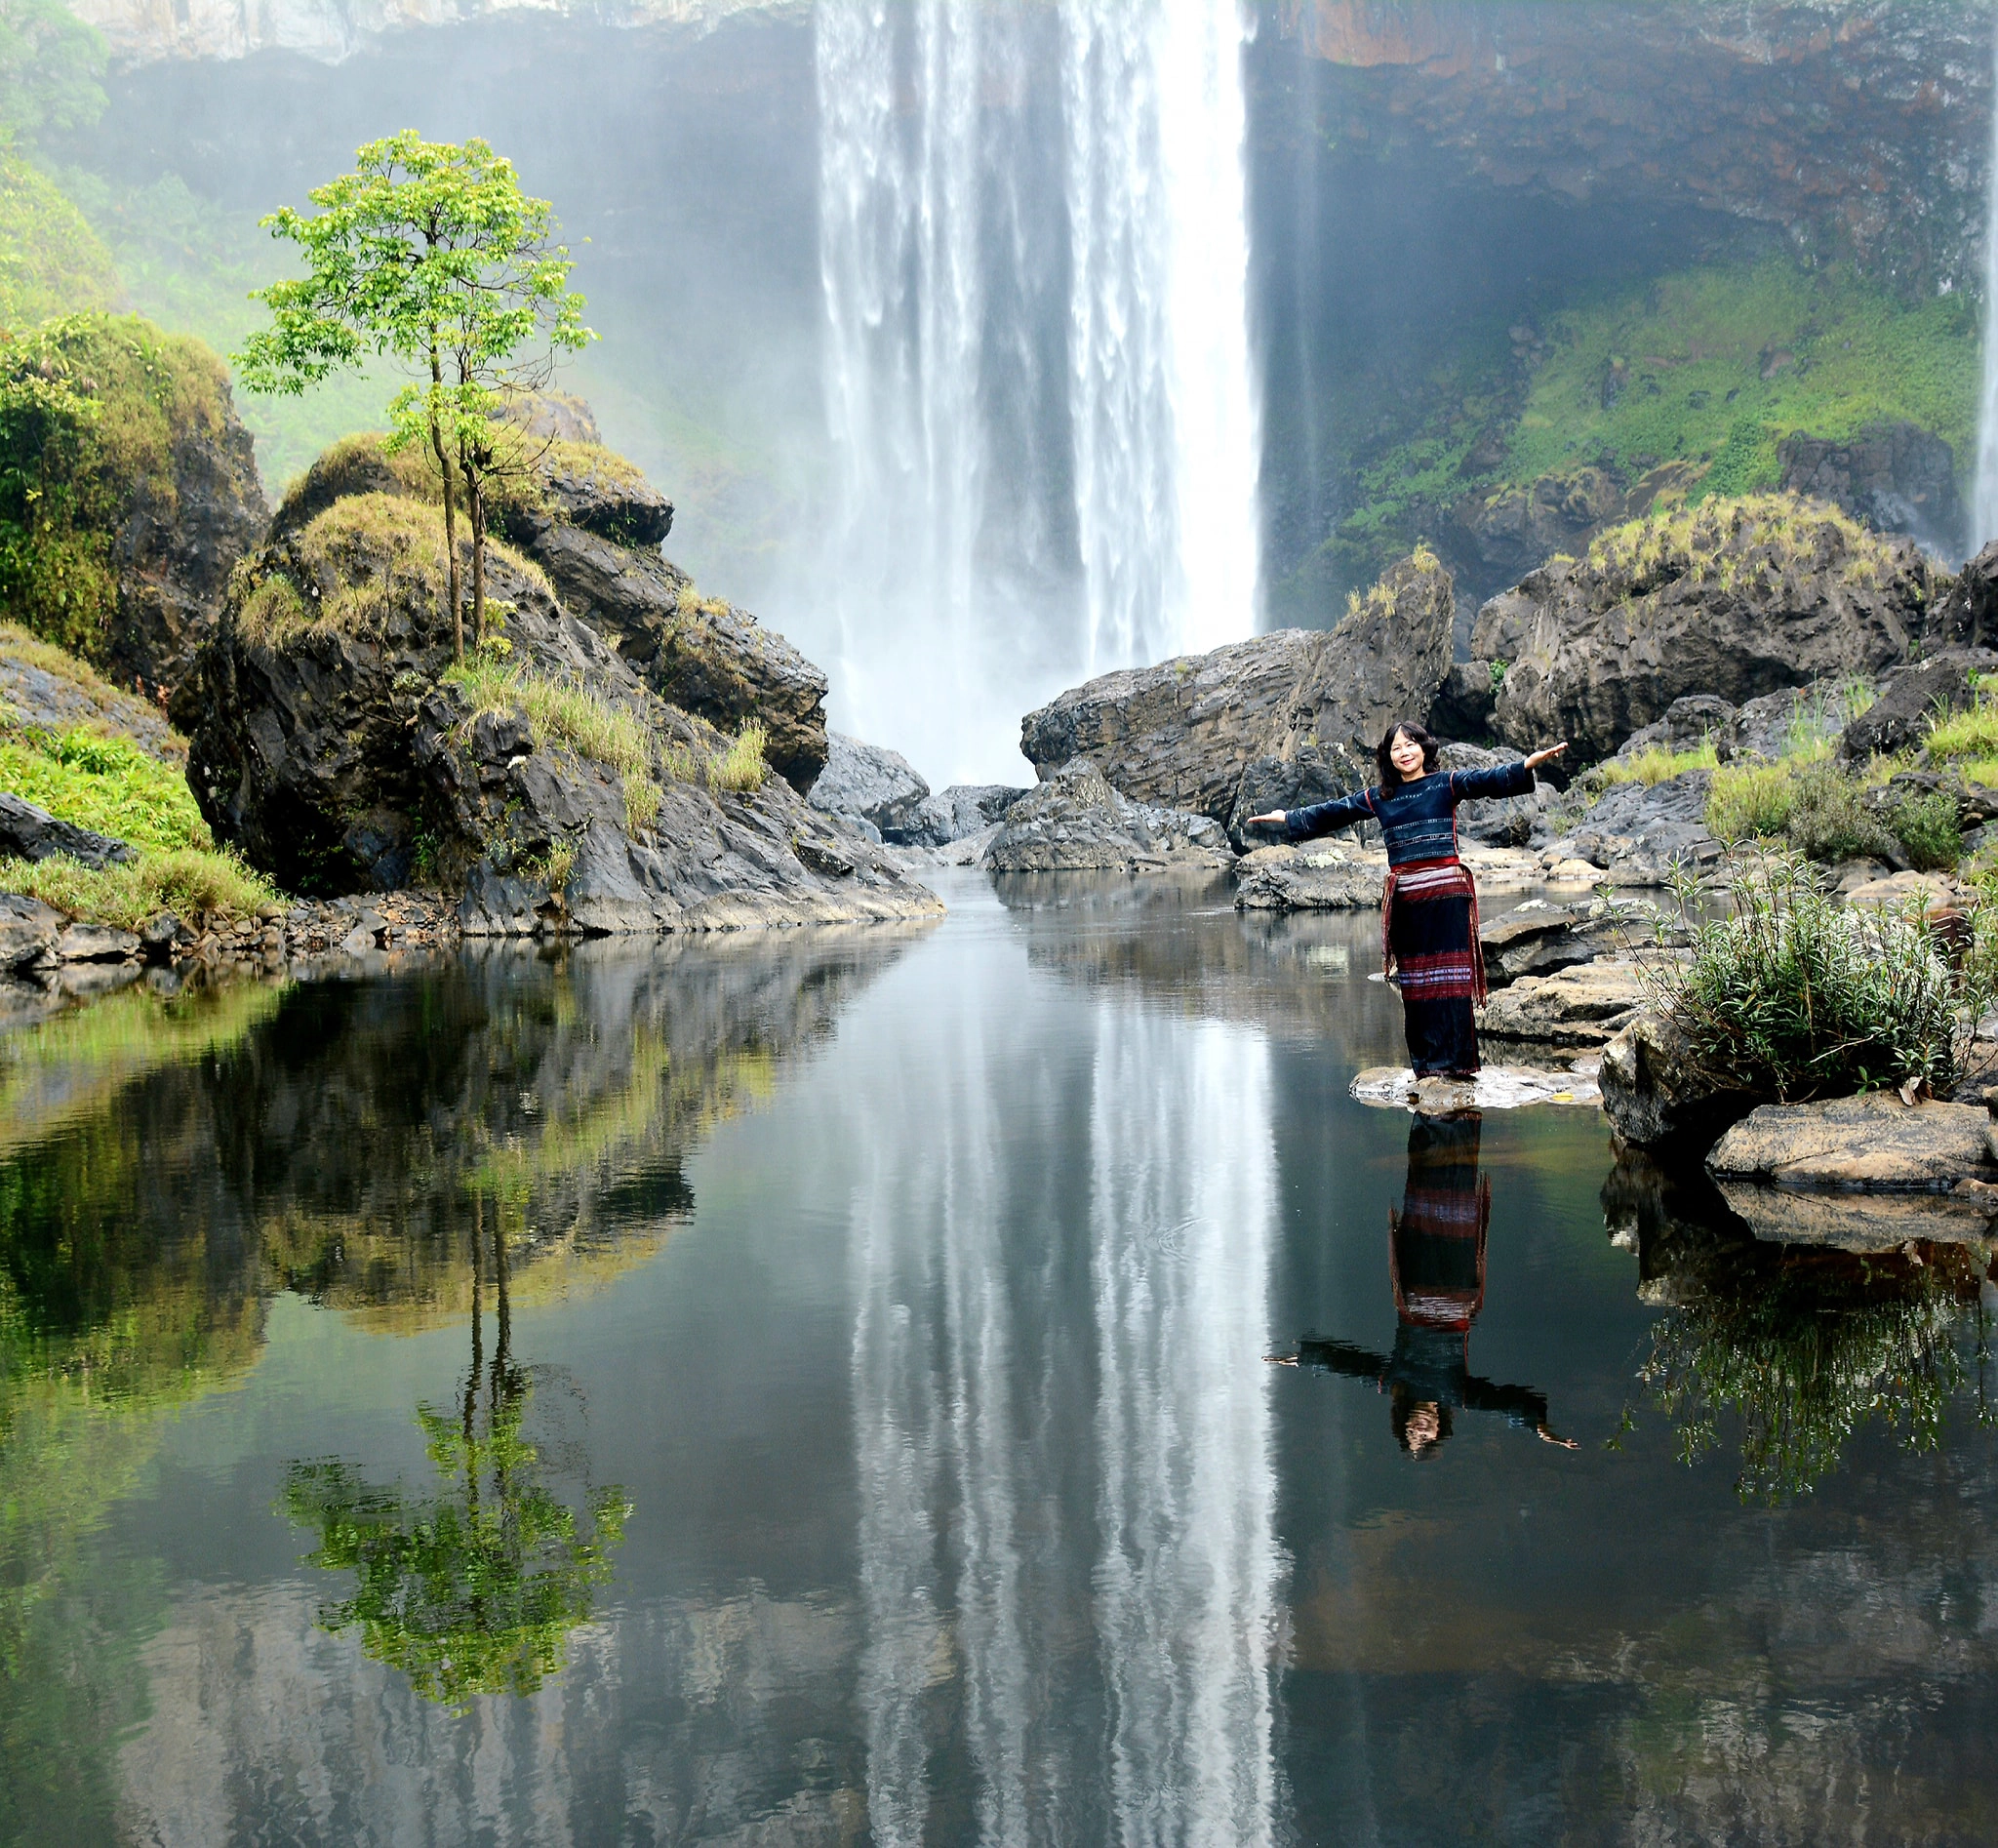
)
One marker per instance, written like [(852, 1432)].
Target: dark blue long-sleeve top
[(1418, 819)]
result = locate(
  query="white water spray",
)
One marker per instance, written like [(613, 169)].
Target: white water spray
[(1029, 487), (1985, 497)]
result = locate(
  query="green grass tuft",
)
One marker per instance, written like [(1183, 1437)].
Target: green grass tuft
[(185, 880), (741, 767), (564, 714), (1659, 764)]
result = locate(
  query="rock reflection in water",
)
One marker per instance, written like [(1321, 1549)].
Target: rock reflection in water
[(1436, 1263), (1799, 1346), (1067, 1561), (167, 1168)]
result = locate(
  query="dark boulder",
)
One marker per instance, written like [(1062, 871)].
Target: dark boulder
[(701, 654), (1732, 598), (1284, 719), (1464, 704), (1913, 697), (871, 785), (1965, 613), (592, 523), (1076, 821), (28, 832), (552, 789), (1507, 821)]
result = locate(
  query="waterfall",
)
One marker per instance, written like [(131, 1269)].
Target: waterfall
[(1161, 393), (1033, 252), (1984, 497)]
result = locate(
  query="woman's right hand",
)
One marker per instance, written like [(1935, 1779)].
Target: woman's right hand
[(1276, 817)]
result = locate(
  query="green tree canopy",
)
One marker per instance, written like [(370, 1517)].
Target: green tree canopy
[(430, 256)]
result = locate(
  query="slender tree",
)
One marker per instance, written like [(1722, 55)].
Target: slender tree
[(427, 255)]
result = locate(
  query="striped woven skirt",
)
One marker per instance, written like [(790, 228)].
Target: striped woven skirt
[(1429, 945)]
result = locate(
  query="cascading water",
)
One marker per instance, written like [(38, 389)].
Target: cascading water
[(1033, 248), (1985, 497)]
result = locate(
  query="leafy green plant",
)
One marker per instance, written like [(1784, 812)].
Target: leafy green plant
[(1927, 826), (106, 783), (1794, 996), (1829, 819)]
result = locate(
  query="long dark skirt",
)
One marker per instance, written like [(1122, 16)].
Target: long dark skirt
[(1432, 953)]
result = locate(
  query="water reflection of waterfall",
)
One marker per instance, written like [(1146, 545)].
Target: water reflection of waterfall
[(1074, 1589), (1186, 1587), (1984, 499), (1033, 252)]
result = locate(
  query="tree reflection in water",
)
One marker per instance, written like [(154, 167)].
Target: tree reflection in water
[(1799, 1345), (476, 1588)]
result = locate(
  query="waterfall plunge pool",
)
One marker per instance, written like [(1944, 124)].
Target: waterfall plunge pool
[(816, 1388)]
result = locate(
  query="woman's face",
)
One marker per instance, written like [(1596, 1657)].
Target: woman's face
[(1426, 1422), (1406, 755)]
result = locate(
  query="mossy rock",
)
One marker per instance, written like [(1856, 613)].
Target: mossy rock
[(128, 491)]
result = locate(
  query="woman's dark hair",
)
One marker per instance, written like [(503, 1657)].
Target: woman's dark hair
[(1391, 778)]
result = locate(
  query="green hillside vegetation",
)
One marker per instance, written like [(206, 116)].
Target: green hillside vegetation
[(1718, 365), (1711, 367), (97, 777), (50, 261)]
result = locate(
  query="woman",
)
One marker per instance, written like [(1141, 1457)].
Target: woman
[(1429, 911)]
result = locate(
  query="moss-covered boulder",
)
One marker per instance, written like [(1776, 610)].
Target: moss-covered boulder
[(542, 783), (1734, 598), (128, 492), (592, 522)]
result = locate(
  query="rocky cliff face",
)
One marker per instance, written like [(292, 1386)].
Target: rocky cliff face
[(1857, 127), (1736, 598)]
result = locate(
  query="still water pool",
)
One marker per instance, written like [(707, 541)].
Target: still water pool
[(817, 1389)]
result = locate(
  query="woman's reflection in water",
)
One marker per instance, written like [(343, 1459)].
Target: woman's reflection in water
[(1436, 1259)]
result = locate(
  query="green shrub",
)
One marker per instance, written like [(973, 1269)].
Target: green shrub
[(1830, 821), (740, 767), (1794, 996), (91, 407), (185, 880), (1927, 826)]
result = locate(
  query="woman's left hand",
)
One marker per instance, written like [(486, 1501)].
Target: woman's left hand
[(1542, 756)]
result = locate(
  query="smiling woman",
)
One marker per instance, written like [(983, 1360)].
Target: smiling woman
[(1429, 911)]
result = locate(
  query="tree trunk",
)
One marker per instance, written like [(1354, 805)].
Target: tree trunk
[(450, 512), (475, 511)]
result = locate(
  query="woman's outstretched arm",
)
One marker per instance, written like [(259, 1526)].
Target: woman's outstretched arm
[(1321, 818)]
